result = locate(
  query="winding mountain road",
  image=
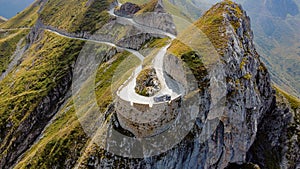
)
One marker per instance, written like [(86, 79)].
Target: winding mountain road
[(128, 92), (140, 26)]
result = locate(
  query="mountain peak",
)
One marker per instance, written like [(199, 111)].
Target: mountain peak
[(223, 20)]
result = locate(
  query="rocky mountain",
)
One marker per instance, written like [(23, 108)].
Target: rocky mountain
[(63, 63), (275, 24)]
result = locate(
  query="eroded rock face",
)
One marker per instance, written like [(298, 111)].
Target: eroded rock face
[(162, 21), (158, 19), (127, 10), (277, 141)]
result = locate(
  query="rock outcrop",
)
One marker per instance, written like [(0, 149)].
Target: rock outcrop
[(127, 10), (277, 141), (157, 18), (147, 83)]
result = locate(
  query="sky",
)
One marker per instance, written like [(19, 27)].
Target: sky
[(9, 8)]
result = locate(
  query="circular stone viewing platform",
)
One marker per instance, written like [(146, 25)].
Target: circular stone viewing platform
[(147, 116)]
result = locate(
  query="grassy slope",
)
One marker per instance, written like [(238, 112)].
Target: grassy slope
[(208, 29), (65, 139), (76, 16), (148, 6), (293, 101), (212, 24), (8, 44), (45, 63)]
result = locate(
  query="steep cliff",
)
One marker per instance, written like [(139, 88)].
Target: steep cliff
[(275, 24)]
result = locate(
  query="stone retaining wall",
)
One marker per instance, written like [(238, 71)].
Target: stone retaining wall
[(143, 120)]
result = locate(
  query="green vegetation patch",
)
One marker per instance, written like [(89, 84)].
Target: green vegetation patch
[(169, 7), (178, 48), (195, 64), (117, 73), (145, 82), (8, 45), (64, 141), (212, 23), (148, 7), (79, 17), (294, 102), (43, 67)]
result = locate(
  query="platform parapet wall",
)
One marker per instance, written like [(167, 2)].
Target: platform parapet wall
[(143, 120)]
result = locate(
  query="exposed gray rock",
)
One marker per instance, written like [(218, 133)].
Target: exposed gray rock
[(248, 98), (127, 10), (15, 58), (277, 142), (133, 36), (157, 20), (136, 41)]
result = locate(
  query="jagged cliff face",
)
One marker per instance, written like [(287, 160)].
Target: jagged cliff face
[(275, 24), (40, 127)]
